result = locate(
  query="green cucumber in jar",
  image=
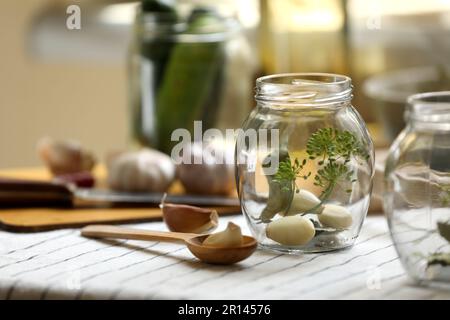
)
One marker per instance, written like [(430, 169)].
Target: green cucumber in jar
[(190, 77), (154, 52)]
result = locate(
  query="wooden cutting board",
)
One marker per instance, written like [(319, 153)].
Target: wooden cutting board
[(42, 219)]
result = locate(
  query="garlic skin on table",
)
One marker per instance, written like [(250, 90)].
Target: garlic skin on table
[(146, 170), (335, 216), (65, 156), (291, 231), (230, 237), (190, 219)]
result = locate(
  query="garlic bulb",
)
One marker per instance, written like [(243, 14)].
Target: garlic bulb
[(65, 156), (335, 216), (303, 201), (141, 171), (291, 231), (213, 175), (230, 237)]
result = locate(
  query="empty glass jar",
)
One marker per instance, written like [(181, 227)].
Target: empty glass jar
[(304, 164), (417, 196)]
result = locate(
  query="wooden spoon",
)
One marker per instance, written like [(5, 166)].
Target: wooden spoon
[(194, 242)]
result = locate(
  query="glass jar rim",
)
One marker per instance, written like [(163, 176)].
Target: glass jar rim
[(429, 107), (304, 89)]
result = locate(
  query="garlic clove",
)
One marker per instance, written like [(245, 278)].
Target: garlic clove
[(303, 201), (335, 216), (291, 231), (230, 237), (190, 219)]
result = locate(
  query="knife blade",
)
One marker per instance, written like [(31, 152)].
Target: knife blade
[(108, 196), (30, 193)]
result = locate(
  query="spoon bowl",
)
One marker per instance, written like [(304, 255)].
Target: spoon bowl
[(194, 242), (221, 255)]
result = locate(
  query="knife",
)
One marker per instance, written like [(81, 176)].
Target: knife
[(30, 193)]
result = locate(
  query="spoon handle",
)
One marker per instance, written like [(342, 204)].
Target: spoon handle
[(105, 231)]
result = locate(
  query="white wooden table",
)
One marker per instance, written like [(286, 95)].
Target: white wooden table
[(62, 264)]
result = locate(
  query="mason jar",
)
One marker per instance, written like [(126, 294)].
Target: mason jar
[(186, 68), (304, 164), (417, 194)]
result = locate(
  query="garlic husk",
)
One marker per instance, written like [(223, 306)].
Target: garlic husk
[(335, 216), (230, 237), (213, 176), (190, 219), (146, 170), (291, 231), (303, 201), (65, 156)]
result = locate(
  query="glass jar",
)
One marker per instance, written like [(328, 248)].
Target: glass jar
[(304, 163), (417, 194), (187, 68)]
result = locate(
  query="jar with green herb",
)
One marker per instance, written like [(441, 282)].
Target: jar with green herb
[(183, 67), (417, 194), (304, 164)]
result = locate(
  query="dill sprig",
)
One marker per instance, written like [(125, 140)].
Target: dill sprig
[(328, 176), (334, 144), (334, 150), (289, 172), (331, 145)]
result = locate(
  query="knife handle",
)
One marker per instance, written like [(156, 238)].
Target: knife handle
[(30, 193)]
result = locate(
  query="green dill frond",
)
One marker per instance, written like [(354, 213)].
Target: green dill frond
[(288, 172), (333, 144)]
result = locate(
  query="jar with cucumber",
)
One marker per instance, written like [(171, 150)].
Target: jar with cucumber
[(181, 71)]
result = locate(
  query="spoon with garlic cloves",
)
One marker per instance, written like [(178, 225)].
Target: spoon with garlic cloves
[(225, 247)]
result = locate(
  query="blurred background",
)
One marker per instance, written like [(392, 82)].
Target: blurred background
[(95, 84)]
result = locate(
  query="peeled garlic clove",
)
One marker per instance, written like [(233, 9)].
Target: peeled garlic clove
[(230, 237), (335, 216), (303, 201), (65, 156), (291, 231), (184, 218)]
